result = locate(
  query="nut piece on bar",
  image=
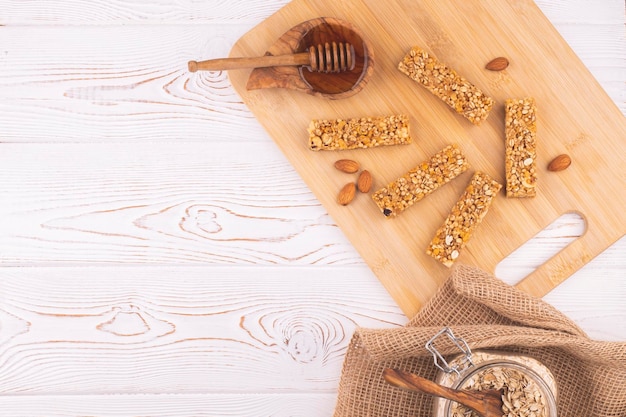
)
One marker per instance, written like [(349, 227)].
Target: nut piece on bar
[(421, 181), (364, 132), (445, 83), (521, 147), (463, 219)]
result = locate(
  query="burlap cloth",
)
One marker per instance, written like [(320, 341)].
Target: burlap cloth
[(488, 314)]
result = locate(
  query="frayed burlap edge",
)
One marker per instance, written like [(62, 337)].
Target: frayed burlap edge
[(489, 315)]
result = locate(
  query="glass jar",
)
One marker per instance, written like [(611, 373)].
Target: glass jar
[(528, 387)]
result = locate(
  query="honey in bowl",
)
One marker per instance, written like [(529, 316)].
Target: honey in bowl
[(328, 31)]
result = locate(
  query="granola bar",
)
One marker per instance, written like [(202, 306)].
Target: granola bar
[(520, 147), (463, 219), (421, 181), (365, 132), (445, 83)]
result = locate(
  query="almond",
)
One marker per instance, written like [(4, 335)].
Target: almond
[(346, 195), (497, 64), (347, 165), (560, 163), (364, 182)]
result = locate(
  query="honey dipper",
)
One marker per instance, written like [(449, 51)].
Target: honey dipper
[(486, 403), (331, 57)]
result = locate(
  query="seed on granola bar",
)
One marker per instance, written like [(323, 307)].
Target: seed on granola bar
[(356, 133), (444, 82), (520, 129), (422, 180), (463, 219)]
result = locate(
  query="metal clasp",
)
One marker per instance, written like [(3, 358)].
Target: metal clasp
[(440, 362)]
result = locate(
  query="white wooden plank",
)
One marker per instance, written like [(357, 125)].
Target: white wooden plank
[(582, 11), (217, 203), (604, 54), (222, 329), (169, 405), (96, 204), (225, 203), (98, 12), (90, 84), (587, 25), (183, 329)]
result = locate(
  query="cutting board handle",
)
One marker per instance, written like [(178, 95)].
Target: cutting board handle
[(563, 264)]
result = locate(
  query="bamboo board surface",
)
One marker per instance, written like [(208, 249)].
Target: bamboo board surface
[(575, 116)]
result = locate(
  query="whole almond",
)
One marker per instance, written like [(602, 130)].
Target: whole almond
[(346, 195), (560, 163), (497, 64), (347, 165), (364, 182)]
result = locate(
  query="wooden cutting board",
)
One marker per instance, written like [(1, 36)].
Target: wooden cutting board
[(575, 116)]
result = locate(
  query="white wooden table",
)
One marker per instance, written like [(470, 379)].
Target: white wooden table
[(158, 254)]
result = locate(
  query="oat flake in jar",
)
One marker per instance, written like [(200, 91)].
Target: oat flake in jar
[(528, 387)]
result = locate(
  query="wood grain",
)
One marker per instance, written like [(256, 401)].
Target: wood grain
[(144, 12), (89, 84), (182, 329), (93, 203), (170, 405), (250, 12), (217, 204)]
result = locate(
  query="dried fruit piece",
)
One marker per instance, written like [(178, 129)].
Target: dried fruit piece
[(347, 193), (497, 64), (364, 182), (347, 165), (560, 163)]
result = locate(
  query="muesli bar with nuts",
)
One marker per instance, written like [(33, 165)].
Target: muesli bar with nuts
[(356, 133), (520, 147), (444, 82), (422, 180), (463, 219)]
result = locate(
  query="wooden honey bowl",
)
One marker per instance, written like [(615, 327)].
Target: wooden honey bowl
[(335, 85)]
